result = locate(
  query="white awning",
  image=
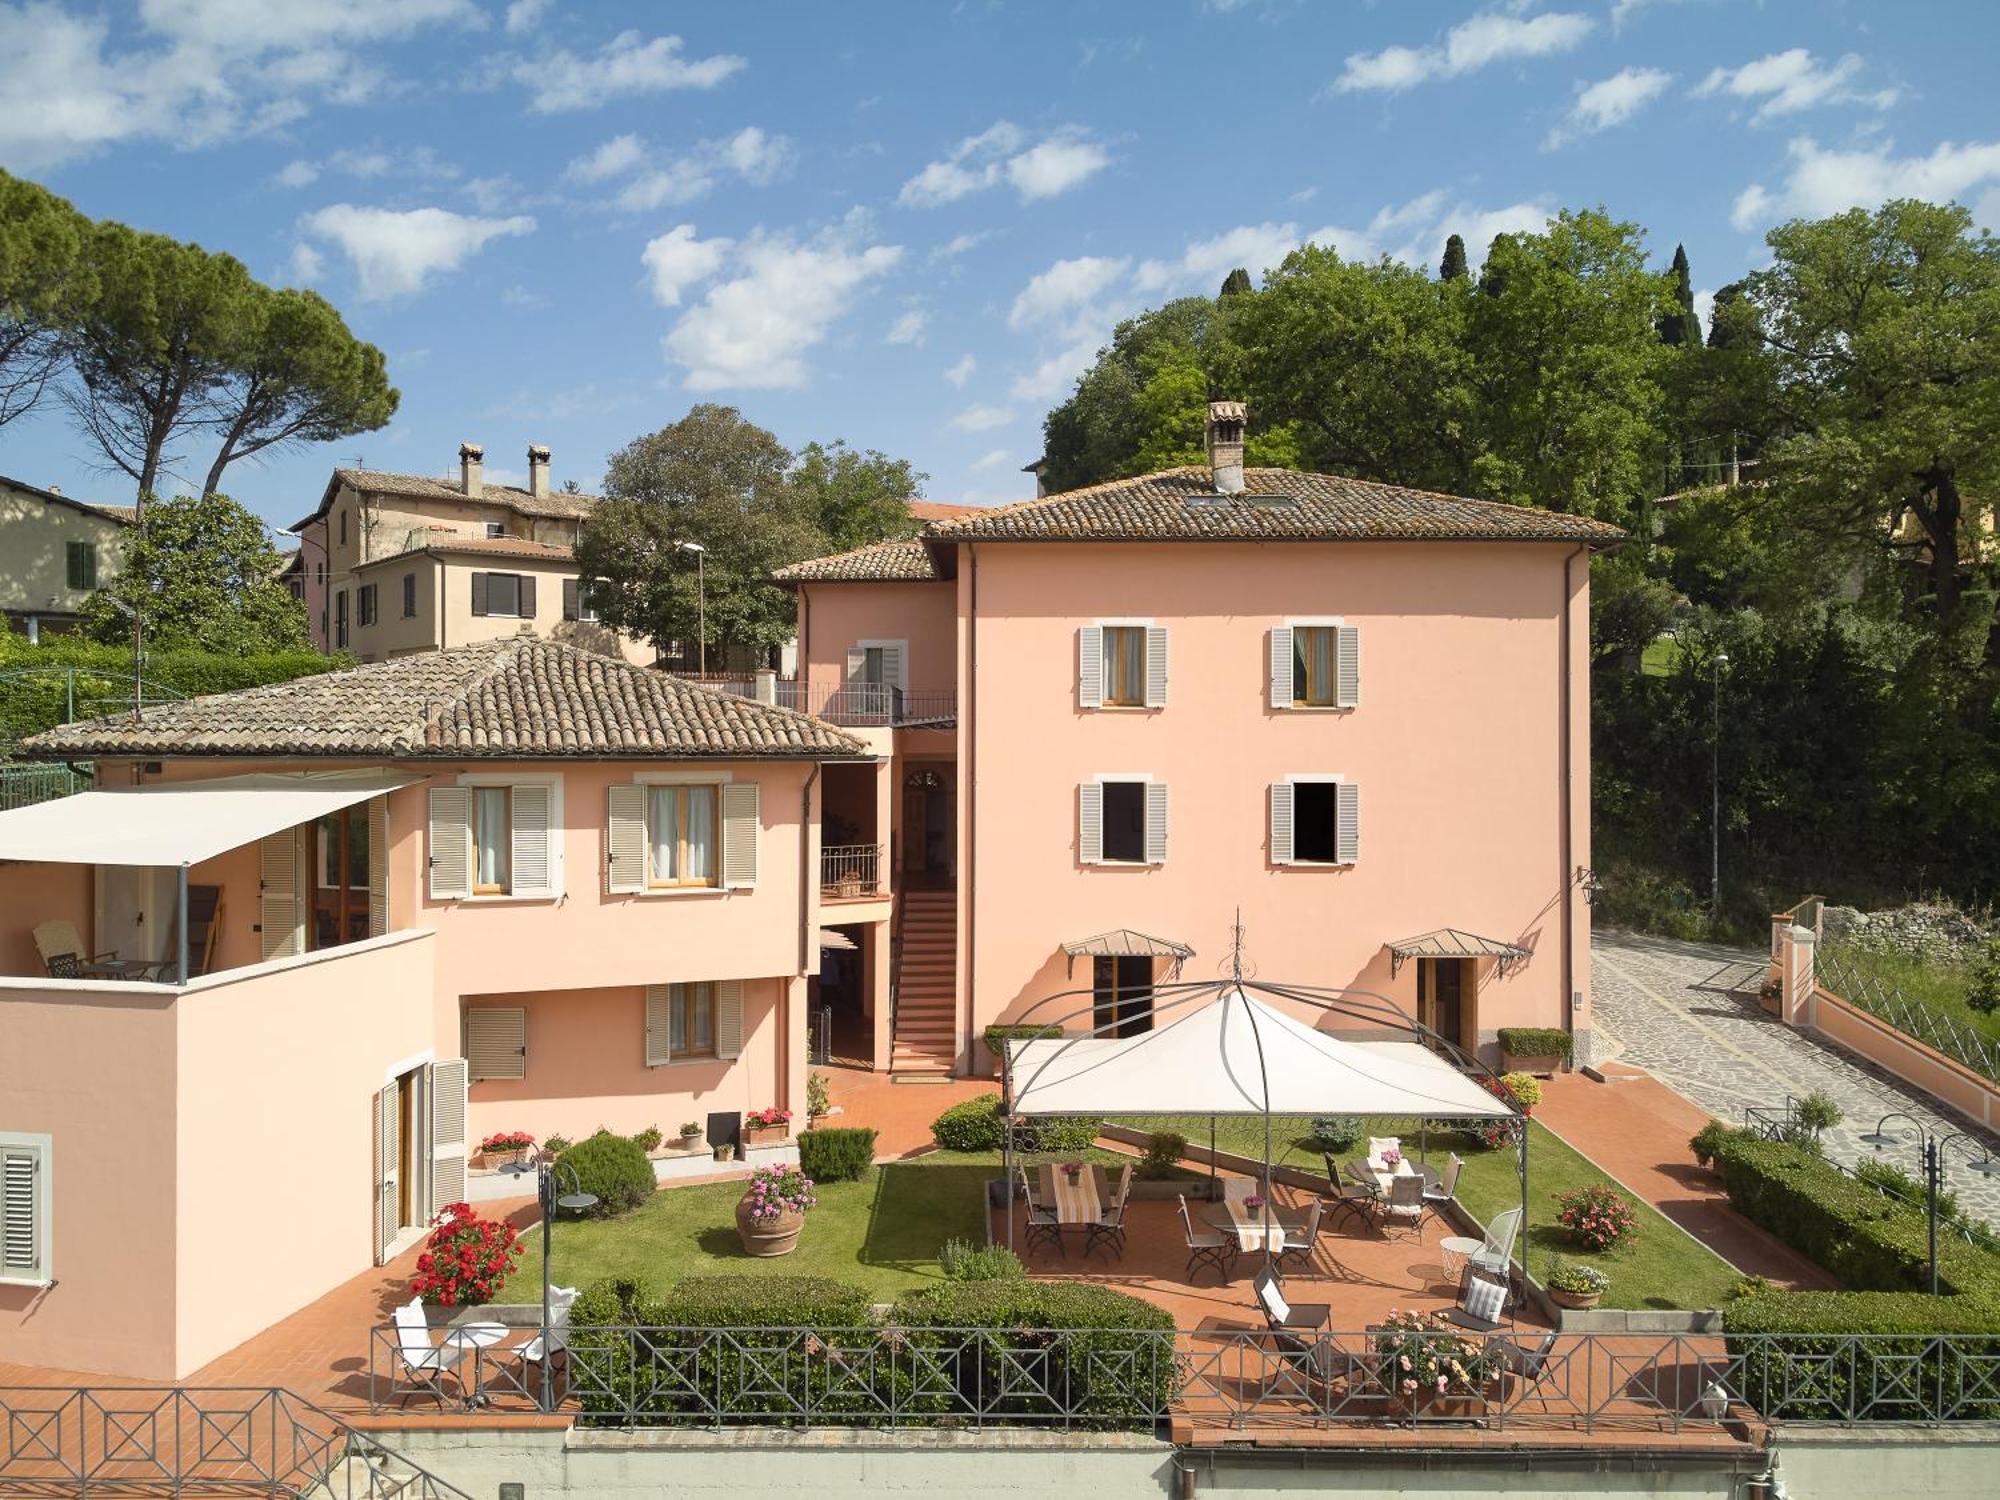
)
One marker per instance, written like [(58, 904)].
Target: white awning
[(1238, 1056), (182, 822)]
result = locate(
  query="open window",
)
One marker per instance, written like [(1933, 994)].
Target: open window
[(1315, 820), (1122, 821)]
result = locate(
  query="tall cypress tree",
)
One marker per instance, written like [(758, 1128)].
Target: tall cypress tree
[(1236, 281), (1453, 267), (1681, 326)]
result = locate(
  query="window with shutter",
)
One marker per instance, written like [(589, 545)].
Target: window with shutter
[(409, 596), (378, 866), (1090, 666), (281, 927), (1090, 823), (451, 843), (25, 1199), (740, 826), (729, 1019), (1347, 667), (1283, 844), (1323, 817), (388, 1157), (682, 834), (448, 1144), (530, 838), (625, 851), (81, 560), (681, 1022), (1124, 813), (496, 1041), (1156, 666), (1281, 667), (659, 1025), (1156, 823)]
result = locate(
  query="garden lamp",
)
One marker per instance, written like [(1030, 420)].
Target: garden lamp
[(1933, 1160), (576, 1200)]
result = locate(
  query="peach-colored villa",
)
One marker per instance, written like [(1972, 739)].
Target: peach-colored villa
[(329, 933)]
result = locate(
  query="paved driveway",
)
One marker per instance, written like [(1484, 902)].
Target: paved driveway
[(1664, 1006)]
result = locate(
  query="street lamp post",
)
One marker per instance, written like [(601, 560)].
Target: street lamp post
[(1933, 1147), (546, 1198), (700, 603), (1715, 793)]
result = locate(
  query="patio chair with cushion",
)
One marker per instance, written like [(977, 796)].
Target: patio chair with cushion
[(1436, 1197), (1281, 1314), (1042, 1221), (1206, 1245), (1482, 1300), (1404, 1206), (1301, 1233), (1380, 1145), (421, 1365), (532, 1353), (1344, 1195)]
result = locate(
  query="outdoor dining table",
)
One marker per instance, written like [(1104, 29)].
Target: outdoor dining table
[(1251, 1226), (1078, 1200), (1376, 1179), (469, 1339)]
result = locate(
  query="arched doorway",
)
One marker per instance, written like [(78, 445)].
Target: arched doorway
[(928, 852)]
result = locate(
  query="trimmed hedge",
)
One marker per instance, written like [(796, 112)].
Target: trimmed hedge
[(976, 1124), (836, 1155), (1537, 1041), (612, 1167), (1104, 1357), (1000, 1033), (1807, 1372)]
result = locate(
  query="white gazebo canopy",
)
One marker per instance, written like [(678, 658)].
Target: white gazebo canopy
[(183, 822), (1239, 1056)]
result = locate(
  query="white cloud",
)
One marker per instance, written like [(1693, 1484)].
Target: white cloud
[(779, 298), (1610, 101), (991, 459), (908, 328), (677, 260), (297, 174), (1255, 247), (982, 418), (1704, 307), (525, 15), (627, 64), (1821, 182), (307, 264), (614, 158), (397, 252), (961, 372), (1062, 160), (1064, 288), (958, 244), (1414, 232), (1490, 37), (1786, 82), (1052, 376)]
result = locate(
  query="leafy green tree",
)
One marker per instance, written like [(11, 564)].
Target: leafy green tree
[(856, 498), (45, 278), (1453, 267), (1681, 325), (722, 483), (202, 575), (1235, 282), (294, 374)]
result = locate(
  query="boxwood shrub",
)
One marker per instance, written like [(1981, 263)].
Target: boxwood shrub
[(976, 1124), (1923, 1357), (841, 1154), (612, 1167), (1104, 1357), (1001, 1033), (1537, 1041)]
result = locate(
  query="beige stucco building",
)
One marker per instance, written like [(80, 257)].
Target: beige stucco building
[(54, 552)]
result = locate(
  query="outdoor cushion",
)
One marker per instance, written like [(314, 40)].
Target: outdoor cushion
[(1483, 1299)]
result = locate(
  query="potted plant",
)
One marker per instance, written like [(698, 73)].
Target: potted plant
[(819, 1097), (1574, 1285), (1073, 1170), (772, 1211), (467, 1259), (725, 1152), (1535, 1049), (767, 1127), (554, 1146), (690, 1135), (506, 1147), (648, 1140), (1434, 1369)]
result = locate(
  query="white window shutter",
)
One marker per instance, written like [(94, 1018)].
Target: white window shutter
[(1281, 823), (892, 665), (729, 1018), (1156, 822), (1347, 824), (857, 665), (1090, 666), (24, 1198), (1347, 666), (1090, 823), (1282, 692), (534, 860), (378, 866), (448, 1143), (740, 819), (280, 920), (496, 1041), (388, 1156), (625, 859), (1156, 666), (659, 1025), (451, 843)]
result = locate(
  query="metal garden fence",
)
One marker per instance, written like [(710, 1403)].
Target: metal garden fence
[(1932, 1027), (25, 785)]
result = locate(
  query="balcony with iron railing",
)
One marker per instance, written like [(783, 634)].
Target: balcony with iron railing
[(850, 872), (856, 705)]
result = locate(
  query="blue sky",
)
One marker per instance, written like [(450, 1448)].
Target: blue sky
[(910, 224)]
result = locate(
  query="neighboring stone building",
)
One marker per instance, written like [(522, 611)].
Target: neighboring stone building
[(54, 552)]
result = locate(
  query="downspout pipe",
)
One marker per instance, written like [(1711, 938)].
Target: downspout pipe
[(1566, 757), (967, 783), (181, 926), (807, 925)]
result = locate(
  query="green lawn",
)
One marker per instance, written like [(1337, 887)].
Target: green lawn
[(1939, 987), (1660, 1266)]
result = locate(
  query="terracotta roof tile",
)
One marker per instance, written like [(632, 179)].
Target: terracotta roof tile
[(1280, 505), (879, 562), (481, 546), (515, 698)]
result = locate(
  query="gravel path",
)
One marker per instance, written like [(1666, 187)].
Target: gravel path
[(1666, 1006)]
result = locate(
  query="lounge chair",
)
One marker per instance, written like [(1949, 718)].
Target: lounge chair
[(1301, 1233), (62, 951), (421, 1365), (1405, 1203), (1206, 1245), (557, 1346)]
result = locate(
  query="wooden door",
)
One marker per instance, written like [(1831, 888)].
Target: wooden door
[(1441, 998)]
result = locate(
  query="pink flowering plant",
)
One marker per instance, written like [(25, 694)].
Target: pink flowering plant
[(1597, 1217), (1420, 1360), (769, 1118), (777, 1191)]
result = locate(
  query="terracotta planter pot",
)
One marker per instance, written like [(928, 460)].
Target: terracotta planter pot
[(1541, 1066), (766, 1135), (498, 1159), (1770, 1002), (1457, 1406), (765, 1237), (1576, 1301)]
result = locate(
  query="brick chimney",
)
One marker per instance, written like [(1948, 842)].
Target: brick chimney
[(538, 470), (472, 469), (1226, 420)]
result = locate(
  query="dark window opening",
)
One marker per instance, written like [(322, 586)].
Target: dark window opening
[(409, 595), (1121, 996), (81, 562), (1315, 822), (1125, 822), (495, 530)]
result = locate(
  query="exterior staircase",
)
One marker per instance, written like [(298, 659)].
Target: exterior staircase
[(924, 1043)]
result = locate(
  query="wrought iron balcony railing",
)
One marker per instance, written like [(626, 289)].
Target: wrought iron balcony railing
[(850, 870), (851, 704)]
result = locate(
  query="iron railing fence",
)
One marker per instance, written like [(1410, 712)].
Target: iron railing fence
[(850, 869), (25, 785), (819, 1047), (1138, 1379), (186, 1441), (1930, 1026), (851, 704)]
